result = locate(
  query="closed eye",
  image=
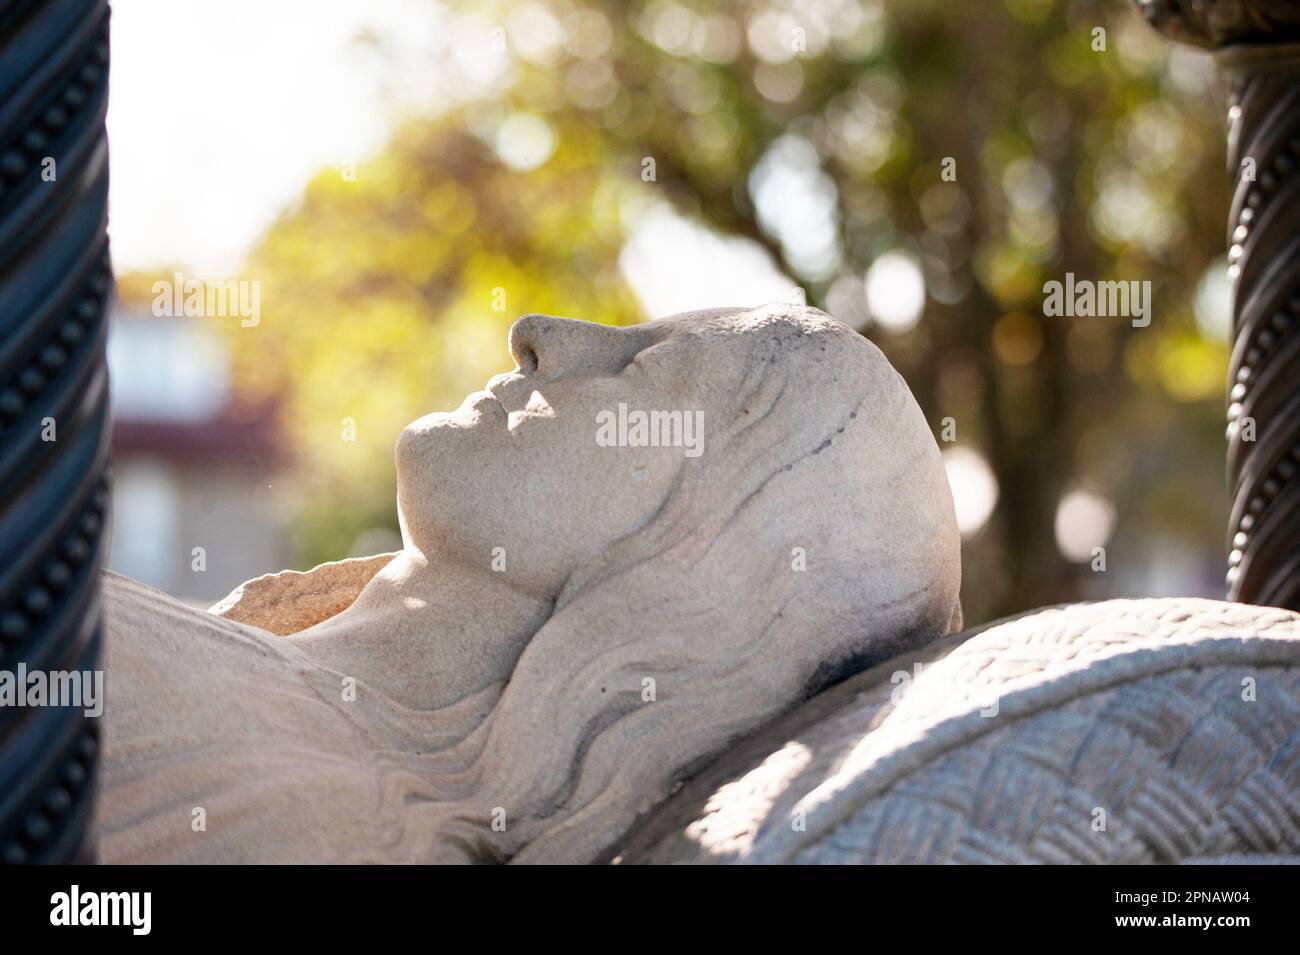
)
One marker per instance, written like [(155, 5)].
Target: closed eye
[(645, 357)]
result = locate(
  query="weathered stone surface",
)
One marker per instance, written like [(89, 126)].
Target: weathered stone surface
[(571, 630), (290, 601), (1173, 723), (572, 624)]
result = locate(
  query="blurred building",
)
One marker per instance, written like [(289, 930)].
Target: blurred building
[(193, 470)]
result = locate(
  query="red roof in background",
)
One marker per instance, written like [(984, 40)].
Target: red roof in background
[(240, 435)]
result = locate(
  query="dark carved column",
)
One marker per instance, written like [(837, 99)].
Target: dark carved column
[(1257, 48), (55, 285)]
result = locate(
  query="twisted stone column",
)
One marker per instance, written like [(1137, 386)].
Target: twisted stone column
[(55, 285), (1257, 48)]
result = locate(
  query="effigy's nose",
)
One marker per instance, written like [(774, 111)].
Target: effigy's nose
[(552, 347)]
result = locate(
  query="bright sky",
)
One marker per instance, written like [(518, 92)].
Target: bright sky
[(219, 113), (221, 110)]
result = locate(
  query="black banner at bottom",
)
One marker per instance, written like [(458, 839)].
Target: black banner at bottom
[(208, 904)]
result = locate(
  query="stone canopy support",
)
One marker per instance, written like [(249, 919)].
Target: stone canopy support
[(55, 287), (1256, 44)]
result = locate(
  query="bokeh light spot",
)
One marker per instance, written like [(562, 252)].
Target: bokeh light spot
[(895, 291), (1084, 521), (974, 488)]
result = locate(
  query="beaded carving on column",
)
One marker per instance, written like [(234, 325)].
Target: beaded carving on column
[(55, 288), (1264, 400), (1257, 47)]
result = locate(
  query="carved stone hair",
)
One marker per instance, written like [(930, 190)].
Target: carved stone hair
[(813, 536)]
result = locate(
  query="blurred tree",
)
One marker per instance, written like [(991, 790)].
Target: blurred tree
[(821, 130)]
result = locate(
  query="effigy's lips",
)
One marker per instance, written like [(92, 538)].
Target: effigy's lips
[(290, 600)]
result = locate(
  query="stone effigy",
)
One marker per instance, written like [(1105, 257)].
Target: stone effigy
[(621, 651), (571, 628), (576, 628)]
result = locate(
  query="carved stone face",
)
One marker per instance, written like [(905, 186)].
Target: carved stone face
[(557, 459)]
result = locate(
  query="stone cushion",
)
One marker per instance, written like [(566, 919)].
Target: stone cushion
[(1128, 731)]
